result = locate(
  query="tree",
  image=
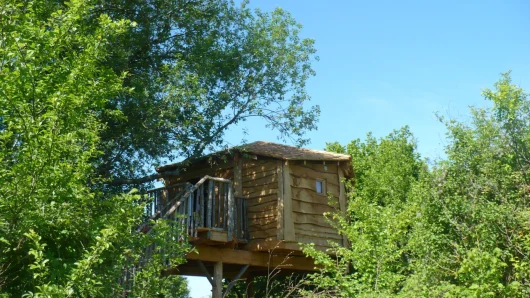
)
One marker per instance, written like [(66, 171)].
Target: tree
[(59, 236), (457, 229), (94, 90), (472, 236), (377, 222), (198, 68)]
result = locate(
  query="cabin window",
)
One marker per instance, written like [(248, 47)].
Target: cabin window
[(321, 186)]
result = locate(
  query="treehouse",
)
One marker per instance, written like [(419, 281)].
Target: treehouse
[(246, 209)]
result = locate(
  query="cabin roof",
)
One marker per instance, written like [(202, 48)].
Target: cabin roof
[(269, 149), (286, 152)]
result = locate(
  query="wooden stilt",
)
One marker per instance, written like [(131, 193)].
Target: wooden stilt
[(206, 273), (217, 289)]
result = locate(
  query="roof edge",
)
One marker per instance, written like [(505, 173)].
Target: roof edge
[(266, 149)]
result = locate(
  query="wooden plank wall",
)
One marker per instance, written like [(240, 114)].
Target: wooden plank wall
[(309, 206), (260, 188), (264, 183), (221, 169)]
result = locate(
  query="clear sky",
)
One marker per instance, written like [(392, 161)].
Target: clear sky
[(386, 64)]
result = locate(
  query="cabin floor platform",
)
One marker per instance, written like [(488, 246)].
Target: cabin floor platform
[(234, 259), (230, 271)]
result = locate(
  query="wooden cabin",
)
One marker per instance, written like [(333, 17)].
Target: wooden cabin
[(248, 207)]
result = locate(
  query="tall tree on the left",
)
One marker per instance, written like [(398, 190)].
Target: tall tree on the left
[(58, 236)]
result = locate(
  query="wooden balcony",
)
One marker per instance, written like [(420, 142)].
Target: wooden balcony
[(207, 212)]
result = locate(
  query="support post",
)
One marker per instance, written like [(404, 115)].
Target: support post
[(238, 182), (279, 223), (217, 289), (342, 200), (288, 223)]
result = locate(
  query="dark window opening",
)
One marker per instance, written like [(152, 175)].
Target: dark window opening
[(321, 187)]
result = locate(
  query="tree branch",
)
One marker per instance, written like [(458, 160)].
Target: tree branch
[(208, 139), (149, 178)]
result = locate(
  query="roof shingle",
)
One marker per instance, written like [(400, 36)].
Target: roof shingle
[(274, 150), (290, 152)]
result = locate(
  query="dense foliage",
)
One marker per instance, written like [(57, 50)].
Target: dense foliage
[(458, 228), (59, 237), (91, 91), (273, 284)]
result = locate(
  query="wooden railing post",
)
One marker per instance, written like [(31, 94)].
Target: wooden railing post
[(226, 212), (202, 213), (189, 213), (196, 214), (231, 212), (211, 196), (183, 212), (244, 219), (219, 205), (237, 222)]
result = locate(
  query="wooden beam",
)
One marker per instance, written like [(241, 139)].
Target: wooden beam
[(217, 289), (233, 282), (279, 246), (256, 259), (280, 204), (192, 269), (288, 225), (342, 200), (263, 244), (205, 271), (238, 180)]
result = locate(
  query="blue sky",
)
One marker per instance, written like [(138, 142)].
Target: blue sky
[(386, 64)]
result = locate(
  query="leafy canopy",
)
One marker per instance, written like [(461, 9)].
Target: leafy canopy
[(199, 68), (456, 229), (58, 236), (94, 90)]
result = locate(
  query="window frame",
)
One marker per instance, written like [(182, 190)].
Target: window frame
[(323, 186)]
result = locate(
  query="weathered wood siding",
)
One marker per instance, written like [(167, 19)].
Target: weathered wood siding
[(308, 206), (260, 188), (283, 203), (222, 169)]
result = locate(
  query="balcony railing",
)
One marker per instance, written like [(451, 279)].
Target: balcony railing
[(209, 204)]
